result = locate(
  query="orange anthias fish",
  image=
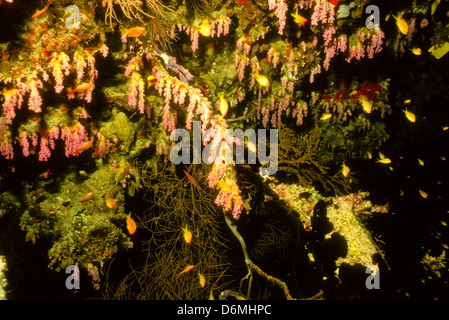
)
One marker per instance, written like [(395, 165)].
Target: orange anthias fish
[(345, 170), (134, 32), (88, 196), (188, 268), (416, 51), (151, 80), (402, 25), (82, 87), (409, 115), (261, 79), (326, 116), (41, 12), (223, 185), (187, 235), (366, 104), (85, 146), (202, 280), (191, 179), (111, 203), (45, 175), (223, 104), (130, 224), (205, 28), (300, 20), (423, 194)]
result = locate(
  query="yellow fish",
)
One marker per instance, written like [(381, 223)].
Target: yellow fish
[(444, 128), (110, 203), (262, 80), (223, 104), (202, 280), (407, 101), (130, 224), (82, 87), (326, 116), (421, 162), (188, 268), (370, 156), (251, 146), (187, 235), (151, 80), (423, 194), (133, 32), (416, 51), (345, 170), (410, 116), (366, 104), (223, 185), (205, 28), (41, 12), (402, 25), (383, 160), (298, 18)]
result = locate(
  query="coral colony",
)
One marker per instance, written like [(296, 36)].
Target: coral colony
[(213, 102)]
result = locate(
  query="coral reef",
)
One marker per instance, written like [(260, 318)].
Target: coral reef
[(94, 95)]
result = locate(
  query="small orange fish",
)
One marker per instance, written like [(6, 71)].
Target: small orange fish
[(45, 175), (402, 25), (202, 280), (261, 79), (187, 234), (188, 268), (384, 161), (151, 80), (82, 87), (41, 12), (191, 179), (130, 224), (423, 194), (416, 51), (326, 116), (366, 104), (223, 185), (110, 203), (205, 28), (345, 170), (88, 196), (85, 146), (409, 115), (223, 104), (300, 20), (134, 32)]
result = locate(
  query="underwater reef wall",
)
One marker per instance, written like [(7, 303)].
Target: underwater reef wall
[(94, 95)]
